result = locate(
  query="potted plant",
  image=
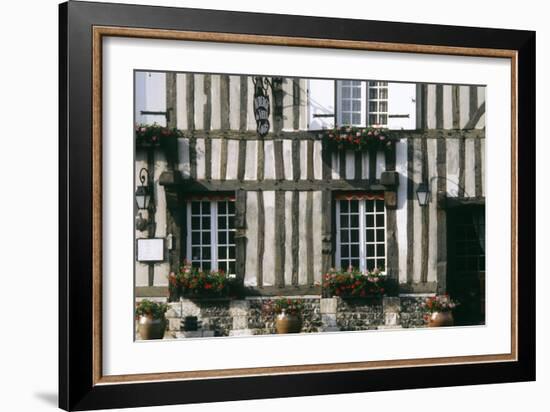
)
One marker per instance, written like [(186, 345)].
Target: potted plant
[(288, 313), (439, 311), (352, 283), (151, 320)]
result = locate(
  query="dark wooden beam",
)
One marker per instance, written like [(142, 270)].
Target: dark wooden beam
[(224, 102), (296, 104), (174, 180), (240, 235), (309, 237), (190, 100), (410, 211), (260, 239), (243, 103), (439, 106), (455, 103), (441, 216), (295, 236), (207, 110), (280, 236), (223, 160), (296, 170)]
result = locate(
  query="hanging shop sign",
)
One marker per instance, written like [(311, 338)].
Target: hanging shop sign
[(261, 105)]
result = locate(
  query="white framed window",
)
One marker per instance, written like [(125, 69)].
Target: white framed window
[(360, 231), (362, 103), (211, 234), (351, 96), (378, 104)]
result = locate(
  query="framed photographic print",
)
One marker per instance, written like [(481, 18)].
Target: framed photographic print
[(259, 205)]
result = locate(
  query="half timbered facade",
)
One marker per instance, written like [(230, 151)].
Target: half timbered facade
[(279, 211)]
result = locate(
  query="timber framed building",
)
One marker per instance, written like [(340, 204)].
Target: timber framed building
[(279, 211)]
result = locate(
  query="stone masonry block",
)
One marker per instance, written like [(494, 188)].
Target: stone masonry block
[(239, 308), (329, 305)]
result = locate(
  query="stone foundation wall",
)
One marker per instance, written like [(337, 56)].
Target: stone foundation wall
[(227, 317)]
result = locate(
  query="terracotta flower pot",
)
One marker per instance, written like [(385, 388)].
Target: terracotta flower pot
[(437, 319), (286, 323), (150, 328)]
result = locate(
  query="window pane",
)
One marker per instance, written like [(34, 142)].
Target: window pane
[(373, 107), (195, 208), (232, 252), (379, 220), (222, 222), (356, 117), (383, 119), (231, 238), (369, 205), (372, 119), (195, 238), (346, 118), (346, 92), (195, 253), (344, 251), (354, 220), (231, 222), (373, 93), (195, 223), (205, 208), (355, 263), (369, 220), (380, 236), (356, 105), (344, 206), (354, 251), (383, 94), (354, 235), (354, 206), (222, 252), (205, 253), (344, 221), (206, 266), (344, 236), (370, 235), (379, 205), (357, 92), (231, 269), (222, 238), (383, 106), (380, 250), (205, 223), (231, 207), (205, 238), (222, 208), (370, 250)]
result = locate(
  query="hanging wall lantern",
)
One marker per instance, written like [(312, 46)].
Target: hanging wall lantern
[(261, 105), (423, 194)]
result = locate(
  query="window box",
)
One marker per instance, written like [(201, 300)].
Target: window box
[(359, 138)]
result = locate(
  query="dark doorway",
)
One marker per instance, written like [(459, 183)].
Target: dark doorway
[(466, 262)]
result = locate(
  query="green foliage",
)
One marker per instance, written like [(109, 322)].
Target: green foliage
[(289, 306), (354, 283), (154, 134), (191, 281), (358, 138), (441, 303), (151, 309)]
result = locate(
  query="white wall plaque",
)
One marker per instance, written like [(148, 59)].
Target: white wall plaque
[(150, 250)]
